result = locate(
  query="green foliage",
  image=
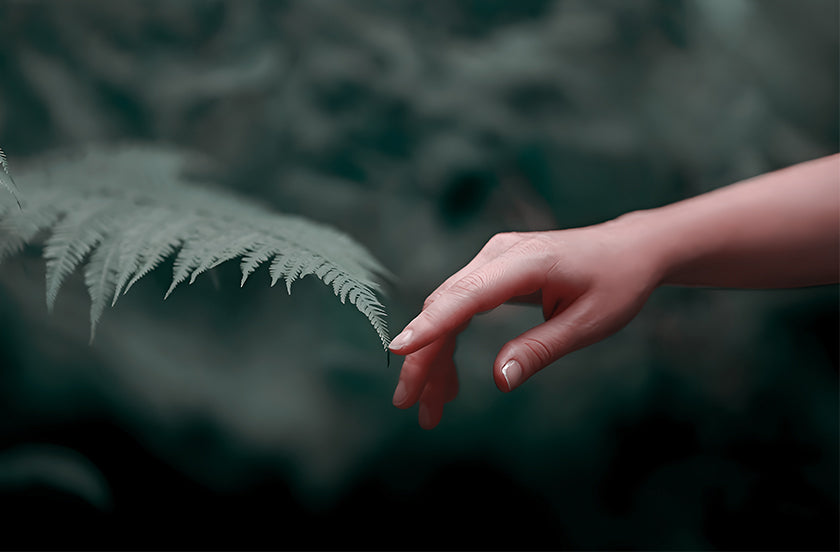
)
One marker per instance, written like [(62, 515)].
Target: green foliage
[(125, 210)]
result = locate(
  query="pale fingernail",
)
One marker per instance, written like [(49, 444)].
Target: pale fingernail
[(400, 393), (401, 340), (512, 372)]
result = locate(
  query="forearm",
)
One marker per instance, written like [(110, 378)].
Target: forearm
[(781, 229)]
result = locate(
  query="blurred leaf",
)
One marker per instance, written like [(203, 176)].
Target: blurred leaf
[(56, 467)]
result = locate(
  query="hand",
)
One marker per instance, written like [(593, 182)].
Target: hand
[(590, 282), (774, 230)]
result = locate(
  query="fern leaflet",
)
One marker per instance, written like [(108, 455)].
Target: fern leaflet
[(6, 178)]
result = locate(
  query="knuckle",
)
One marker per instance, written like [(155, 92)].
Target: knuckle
[(497, 239), (471, 284), (503, 240), (537, 247), (538, 351), (429, 321)]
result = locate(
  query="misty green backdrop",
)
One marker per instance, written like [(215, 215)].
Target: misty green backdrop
[(247, 418)]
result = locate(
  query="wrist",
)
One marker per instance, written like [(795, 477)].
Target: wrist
[(771, 231), (648, 241)]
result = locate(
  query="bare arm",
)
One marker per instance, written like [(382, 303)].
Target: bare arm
[(781, 229)]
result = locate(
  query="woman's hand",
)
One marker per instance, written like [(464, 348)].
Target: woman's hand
[(590, 282), (781, 229)]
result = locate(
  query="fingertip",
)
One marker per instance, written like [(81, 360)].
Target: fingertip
[(401, 342), (400, 394), (499, 380), (405, 396), (429, 415), (512, 374), (404, 403), (431, 402)]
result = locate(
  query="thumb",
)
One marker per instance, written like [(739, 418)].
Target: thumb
[(530, 352)]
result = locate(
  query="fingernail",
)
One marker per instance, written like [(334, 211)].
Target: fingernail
[(401, 340), (512, 372), (400, 393)]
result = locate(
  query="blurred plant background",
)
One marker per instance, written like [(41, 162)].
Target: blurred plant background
[(246, 418)]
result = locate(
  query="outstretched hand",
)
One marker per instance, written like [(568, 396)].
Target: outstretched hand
[(775, 230), (589, 281)]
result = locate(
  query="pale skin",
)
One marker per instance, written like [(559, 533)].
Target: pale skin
[(777, 230)]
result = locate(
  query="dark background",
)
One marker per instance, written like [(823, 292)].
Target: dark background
[(246, 418)]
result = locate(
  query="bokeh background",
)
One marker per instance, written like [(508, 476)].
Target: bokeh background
[(246, 418)]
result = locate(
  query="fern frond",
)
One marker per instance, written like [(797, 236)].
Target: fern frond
[(123, 211), (6, 178)]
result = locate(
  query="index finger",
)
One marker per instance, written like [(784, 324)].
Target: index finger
[(483, 289)]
